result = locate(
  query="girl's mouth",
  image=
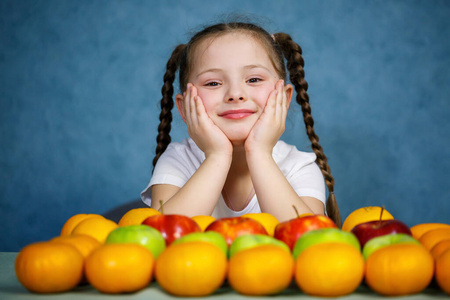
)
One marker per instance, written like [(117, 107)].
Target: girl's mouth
[(236, 114)]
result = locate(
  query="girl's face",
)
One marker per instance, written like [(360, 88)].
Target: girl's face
[(234, 77)]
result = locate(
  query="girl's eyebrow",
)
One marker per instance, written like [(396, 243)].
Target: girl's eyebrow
[(218, 70), (212, 70), (257, 66)]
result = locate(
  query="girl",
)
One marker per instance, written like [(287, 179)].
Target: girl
[(234, 102)]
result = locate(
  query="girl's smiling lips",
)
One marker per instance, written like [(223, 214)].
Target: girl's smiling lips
[(236, 113)]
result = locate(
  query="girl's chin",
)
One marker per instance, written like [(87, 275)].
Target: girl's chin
[(237, 139), (239, 143), (237, 133)]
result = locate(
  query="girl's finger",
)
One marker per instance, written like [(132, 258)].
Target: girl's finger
[(284, 103), (187, 108), (200, 109), (193, 105), (271, 102), (279, 100)]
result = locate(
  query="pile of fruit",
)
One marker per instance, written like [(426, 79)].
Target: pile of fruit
[(254, 254)]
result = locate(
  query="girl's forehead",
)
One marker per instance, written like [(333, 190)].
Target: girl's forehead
[(229, 44), (230, 38)]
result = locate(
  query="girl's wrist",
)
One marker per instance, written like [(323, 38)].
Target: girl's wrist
[(220, 158), (258, 156)]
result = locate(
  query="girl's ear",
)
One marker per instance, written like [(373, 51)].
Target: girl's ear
[(179, 100), (289, 92)]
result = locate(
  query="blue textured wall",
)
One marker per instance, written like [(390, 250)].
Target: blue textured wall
[(80, 82)]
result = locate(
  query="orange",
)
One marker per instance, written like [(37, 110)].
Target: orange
[(442, 273), (419, 229), (98, 228), (329, 269), (203, 221), (440, 248), (430, 238), (399, 269), (85, 244), (261, 270), (46, 267), (119, 268), (267, 220), (191, 269), (363, 215), (74, 220), (135, 216)]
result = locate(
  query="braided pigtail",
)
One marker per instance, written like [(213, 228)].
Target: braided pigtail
[(295, 63), (165, 117)]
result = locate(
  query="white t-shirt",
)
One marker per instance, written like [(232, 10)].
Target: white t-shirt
[(180, 160)]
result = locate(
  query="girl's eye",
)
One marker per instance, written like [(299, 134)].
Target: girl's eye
[(254, 80), (212, 83)]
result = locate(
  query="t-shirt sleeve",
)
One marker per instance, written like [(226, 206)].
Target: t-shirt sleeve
[(309, 182), (175, 166), (303, 173)]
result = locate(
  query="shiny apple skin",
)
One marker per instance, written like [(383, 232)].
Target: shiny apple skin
[(386, 240), (146, 236), (324, 235), (367, 231), (231, 228), (211, 237), (172, 227), (248, 241), (291, 230)]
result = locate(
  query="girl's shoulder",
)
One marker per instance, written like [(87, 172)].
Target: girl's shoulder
[(186, 147), (286, 153)]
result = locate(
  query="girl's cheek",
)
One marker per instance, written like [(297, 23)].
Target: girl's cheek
[(262, 96), (207, 98), (204, 95)]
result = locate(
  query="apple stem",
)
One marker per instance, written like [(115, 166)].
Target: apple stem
[(161, 207), (381, 215), (296, 211)]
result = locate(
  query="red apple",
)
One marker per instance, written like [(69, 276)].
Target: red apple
[(231, 228), (291, 230), (172, 227), (368, 230)]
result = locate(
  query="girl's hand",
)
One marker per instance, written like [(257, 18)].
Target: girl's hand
[(208, 137), (271, 123)]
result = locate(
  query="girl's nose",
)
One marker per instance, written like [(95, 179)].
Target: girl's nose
[(235, 93), (232, 99)]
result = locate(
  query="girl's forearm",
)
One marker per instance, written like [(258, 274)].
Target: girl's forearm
[(275, 194), (200, 193)]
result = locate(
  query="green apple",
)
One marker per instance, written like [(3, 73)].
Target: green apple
[(145, 235), (212, 237), (324, 235), (247, 241), (385, 240)]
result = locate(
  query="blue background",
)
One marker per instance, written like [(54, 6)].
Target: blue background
[(80, 83)]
